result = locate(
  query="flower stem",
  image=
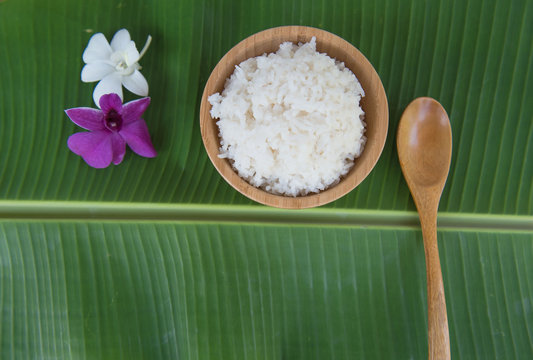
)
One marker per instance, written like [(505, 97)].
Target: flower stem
[(146, 45)]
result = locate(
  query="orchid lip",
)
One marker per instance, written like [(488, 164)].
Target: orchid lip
[(113, 121), (120, 61), (124, 69)]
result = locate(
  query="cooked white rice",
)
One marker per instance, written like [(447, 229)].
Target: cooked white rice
[(290, 122)]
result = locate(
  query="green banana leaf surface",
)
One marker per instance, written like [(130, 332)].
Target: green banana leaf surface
[(162, 259)]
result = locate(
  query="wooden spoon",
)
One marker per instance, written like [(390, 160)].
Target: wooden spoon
[(424, 143)]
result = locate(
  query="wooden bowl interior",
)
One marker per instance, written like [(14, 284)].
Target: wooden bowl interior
[(374, 105)]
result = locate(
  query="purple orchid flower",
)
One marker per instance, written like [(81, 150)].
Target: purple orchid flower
[(110, 130)]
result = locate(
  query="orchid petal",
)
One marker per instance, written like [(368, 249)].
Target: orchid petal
[(120, 40), (119, 148), (133, 110), (94, 147), (138, 139), (132, 54), (87, 118), (97, 49), (96, 71), (136, 83), (110, 84), (110, 102)]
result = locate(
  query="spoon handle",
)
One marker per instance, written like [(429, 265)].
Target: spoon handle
[(438, 335)]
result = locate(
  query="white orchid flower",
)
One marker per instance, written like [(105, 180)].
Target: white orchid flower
[(114, 65)]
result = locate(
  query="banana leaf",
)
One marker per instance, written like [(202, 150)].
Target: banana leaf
[(161, 259), (474, 57), (117, 290)]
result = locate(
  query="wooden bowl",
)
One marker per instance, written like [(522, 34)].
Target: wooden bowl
[(374, 105)]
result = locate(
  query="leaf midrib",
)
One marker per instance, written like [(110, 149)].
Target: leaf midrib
[(152, 212)]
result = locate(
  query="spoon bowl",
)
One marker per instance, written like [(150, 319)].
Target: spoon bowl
[(424, 142)]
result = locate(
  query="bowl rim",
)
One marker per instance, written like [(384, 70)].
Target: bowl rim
[(211, 140)]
